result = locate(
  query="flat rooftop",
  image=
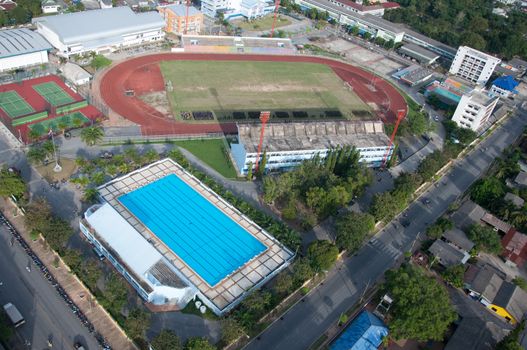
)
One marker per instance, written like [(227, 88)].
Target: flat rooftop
[(314, 135), (419, 52), (152, 215), (234, 41)]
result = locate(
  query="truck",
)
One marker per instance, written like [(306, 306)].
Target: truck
[(14, 315)]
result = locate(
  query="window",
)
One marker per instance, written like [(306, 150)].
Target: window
[(494, 309), (508, 318)]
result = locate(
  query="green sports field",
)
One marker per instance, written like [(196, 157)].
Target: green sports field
[(243, 86), (53, 93), (14, 105), (67, 121)]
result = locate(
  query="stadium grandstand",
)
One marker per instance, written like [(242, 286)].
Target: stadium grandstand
[(192, 242), (237, 44), (21, 48)]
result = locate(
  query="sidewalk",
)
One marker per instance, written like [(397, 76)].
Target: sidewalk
[(81, 296)]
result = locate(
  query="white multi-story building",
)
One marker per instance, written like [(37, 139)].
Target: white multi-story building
[(474, 109), (289, 144), (102, 31), (473, 65), (22, 48), (233, 9)]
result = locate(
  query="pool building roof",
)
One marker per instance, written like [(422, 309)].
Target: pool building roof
[(220, 291)]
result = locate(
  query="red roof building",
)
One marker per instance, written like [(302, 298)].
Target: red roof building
[(515, 247), (7, 5)]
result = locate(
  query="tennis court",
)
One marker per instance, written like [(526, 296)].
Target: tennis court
[(66, 121), (14, 105), (53, 93)]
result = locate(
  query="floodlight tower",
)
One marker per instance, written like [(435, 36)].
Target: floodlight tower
[(276, 6), (264, 118), (400, 116)]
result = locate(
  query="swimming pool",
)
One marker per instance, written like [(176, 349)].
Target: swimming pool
[(205, 238)]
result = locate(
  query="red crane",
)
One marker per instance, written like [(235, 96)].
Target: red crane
[(276, 6), (401, 113), (264, 118), (186, 17)]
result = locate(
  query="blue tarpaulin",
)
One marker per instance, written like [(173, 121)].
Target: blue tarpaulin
[(364, 333)]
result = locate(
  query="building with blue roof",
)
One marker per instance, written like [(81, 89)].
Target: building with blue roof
[(364, 333), (504, 86)]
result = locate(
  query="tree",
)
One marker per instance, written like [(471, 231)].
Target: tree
[(166, 340), (92, 135), (230, 330), (302, 271), (352, 228), (511, 341), (151, 156), (421, 309), (57, 232), (20, 15), (454, 275), (36, 155), (90, 195), (11, 184), (115, 293), (198, 344), (283, 283), (367, 36), (520, 282), (257, 302), (38, 214), (91, 273), (485, 239), (487, 191), (136, 324), (436, 230), (99, 62), (383, 207), (354, 30), (250, 171), (322, 255)]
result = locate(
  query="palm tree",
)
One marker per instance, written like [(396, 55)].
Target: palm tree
[(90, 195), (34, 134), (150, 156), (91, 135), (36, 155)]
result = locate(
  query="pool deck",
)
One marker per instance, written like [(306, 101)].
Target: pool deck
[(229, 291)]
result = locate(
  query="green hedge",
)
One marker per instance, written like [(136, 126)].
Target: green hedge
[(71, 107), (30, 118)]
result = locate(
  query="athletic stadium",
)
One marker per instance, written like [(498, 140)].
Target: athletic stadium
[(173, 239)]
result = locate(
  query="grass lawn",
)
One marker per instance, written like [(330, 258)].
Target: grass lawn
[(242, 86), (213, 153), (264, 23)]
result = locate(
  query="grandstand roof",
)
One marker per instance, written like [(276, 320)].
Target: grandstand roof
[(94, 25), (181, 10), (419, 53), (14, 42), (506, 83), (316, 135)]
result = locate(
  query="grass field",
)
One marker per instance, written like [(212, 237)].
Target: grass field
[(14, 105), (53, 93), (213, 152), (264, 23), (242, 86)]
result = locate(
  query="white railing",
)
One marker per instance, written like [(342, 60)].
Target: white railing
[(159, 138)]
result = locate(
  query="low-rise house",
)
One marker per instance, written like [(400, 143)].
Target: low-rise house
[(468, 214), (488, 285), (521, 179), (514, 199), (497, 224), (514, 248), (75, 74), (365, 332), (50, 6), (459, 239), (474, 333), (504, 86), (447, 254)]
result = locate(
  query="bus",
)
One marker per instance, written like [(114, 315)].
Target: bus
[(14, 315)]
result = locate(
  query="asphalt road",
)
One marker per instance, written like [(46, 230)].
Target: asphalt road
[(45, 312), (307, 320)]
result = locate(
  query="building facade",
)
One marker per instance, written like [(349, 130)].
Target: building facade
[(474, 110), (504, 86), (234, 9), (101, 31), (473, 65), (21, 48), (175, 17), (287, 145)]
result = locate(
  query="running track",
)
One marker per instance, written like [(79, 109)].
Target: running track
[(142, 74)]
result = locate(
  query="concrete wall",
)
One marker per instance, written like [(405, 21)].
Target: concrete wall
[(30, 59)]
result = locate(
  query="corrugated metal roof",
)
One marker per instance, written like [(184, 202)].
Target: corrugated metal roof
[(97, 24), (15, 42)]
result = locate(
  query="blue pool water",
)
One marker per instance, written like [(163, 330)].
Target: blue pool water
[(206, 239)]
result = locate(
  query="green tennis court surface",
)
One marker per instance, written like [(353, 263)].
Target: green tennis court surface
[(14, 105), (53, 93), (67, 121)]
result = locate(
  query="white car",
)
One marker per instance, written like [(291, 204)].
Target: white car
[(436, 118)]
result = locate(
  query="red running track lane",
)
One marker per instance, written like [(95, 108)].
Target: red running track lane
[(142, 74)]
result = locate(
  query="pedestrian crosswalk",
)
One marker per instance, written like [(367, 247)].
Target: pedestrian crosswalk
[(387, 249)]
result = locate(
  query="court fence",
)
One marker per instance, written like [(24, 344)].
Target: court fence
[(119, 140)]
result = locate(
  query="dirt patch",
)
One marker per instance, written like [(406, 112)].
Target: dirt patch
[(159, 101), (68, 168)]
